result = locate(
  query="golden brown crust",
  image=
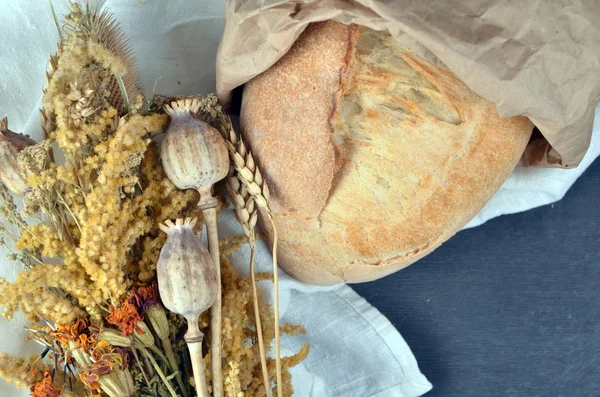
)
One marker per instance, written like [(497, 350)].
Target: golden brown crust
[(310, 78), (418, 155)]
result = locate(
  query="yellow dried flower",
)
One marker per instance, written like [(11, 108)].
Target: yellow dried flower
[(22, 372), (107, 58), (35, 291), (233, 387), (238, 327), (33, 159)]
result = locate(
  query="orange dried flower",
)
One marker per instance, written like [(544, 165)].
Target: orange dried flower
[(45, 388), (90, 380), (102, 348), (86, 342), (125, 317), (104, 358), (65, 333), (101, 367), (104, 351)]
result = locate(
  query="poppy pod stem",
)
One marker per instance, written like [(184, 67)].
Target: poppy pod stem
[(194, 338), (210, 218)]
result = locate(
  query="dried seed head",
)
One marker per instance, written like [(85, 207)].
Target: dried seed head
[(143, 334), (11, 144), (187, 275), (194, 154), (115, 337), (245, 208), (158, 319)]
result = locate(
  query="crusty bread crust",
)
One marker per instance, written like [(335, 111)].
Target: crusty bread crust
[(306, 100), (374, 156)]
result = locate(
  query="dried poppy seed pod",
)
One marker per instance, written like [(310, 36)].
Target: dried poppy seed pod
[(11, 144), (187, 276), (188, 285), (194, 155)]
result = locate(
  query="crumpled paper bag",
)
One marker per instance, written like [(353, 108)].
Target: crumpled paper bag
[(540, 59)]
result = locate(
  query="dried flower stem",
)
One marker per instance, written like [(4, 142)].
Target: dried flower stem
[(123, 92), (173, 363), (210, 217), (64, 203), (151, 99), (161, 374), (60, 32), (160, 355), (140, 366), (194, 338)]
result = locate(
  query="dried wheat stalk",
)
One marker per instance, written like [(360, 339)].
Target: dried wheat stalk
[(250, 177), (247, 214)]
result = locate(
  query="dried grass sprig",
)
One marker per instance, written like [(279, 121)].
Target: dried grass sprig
[(100, 26), (47, 117)]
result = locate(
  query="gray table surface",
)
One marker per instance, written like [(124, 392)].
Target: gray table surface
[(511, 308)]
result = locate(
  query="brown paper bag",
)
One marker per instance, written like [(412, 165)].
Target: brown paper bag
[(540, 59)]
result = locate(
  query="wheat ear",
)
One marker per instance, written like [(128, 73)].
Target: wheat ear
[(247, 214), (251, 179)]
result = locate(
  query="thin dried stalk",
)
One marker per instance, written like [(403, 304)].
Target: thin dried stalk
[(246, 171), (210, 218), (161, 374), (247, 214)]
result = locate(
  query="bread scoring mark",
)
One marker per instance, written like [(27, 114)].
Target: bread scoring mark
[(438, 104), (387, 70), (393, 110), (343, 76), (378, 106)]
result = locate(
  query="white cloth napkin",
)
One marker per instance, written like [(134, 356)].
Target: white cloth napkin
[(355, 351)]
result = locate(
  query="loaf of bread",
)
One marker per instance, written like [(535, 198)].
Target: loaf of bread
[(373, 156)]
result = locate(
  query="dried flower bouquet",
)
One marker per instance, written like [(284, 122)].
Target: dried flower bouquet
[(95, 195)]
